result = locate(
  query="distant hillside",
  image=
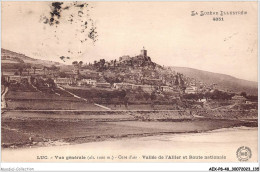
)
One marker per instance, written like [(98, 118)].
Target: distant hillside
[(223, 81), (8, 56)]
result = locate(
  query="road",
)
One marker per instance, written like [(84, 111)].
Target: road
[(108, 110), (104, 107), (3, 102)]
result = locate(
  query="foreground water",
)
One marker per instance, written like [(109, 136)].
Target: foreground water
[(213, 146)]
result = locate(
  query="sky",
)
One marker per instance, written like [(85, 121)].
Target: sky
[(167, 30)]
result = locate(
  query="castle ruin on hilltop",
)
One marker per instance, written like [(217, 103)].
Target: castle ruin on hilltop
[(139, 59)]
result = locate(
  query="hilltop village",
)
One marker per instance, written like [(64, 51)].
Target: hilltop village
[(126, 80), (125, 97), (129, 73)]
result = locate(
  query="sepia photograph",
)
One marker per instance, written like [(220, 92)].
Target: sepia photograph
[(129, 81)]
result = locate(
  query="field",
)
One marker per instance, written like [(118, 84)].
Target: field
[(140, 107), (28, 98), (12, 136), (51, 105), (35, 95), (32, 99), (68, 115), (8, 61), (229, 114), (45, 118)]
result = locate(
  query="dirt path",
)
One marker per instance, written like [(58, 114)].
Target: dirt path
[(2, 89), (226, 106), (104, 107), (71, 93), (36, 88), (3, 102)]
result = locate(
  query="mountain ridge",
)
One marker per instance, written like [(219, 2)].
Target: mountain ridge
[(223, 81), (22, 58), (212, 72)]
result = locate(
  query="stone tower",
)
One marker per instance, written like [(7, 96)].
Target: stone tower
[(144, 53)]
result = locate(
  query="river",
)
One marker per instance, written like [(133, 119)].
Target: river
[(221, 143)]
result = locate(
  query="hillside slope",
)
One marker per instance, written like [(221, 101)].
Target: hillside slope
[(225, 82), (13, 57)]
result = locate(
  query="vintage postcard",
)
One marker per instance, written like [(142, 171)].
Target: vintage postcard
[(129, 81)]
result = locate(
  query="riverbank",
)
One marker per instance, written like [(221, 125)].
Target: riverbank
[(217, 146), (44, 129)]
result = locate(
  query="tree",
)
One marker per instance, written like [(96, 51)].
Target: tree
[(114, 63), (139, 89), (75, 63), (153, 96), (80, 64), (102, 63), (221, 95), (34, 69), (27, 67), (252, 98), (243, 94), (50, 83), (122, 94), (176, 81), (3, 80), (53, 68), (20, 69), (44, 69), (191, 96), (95, 63), (63, 75), (139, 96), (207, 95), (76, 66), (126, 102), (181, 82), (146, 96), (16, 73), (200, 96), (24, 82), (79, 76)]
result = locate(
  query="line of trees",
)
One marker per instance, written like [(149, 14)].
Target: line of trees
[(216, 95), (249, 97)]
